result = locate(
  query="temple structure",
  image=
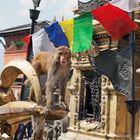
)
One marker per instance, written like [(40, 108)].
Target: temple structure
[(97, 110)]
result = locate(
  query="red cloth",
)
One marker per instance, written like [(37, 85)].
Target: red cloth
[(26, 39), (115, 21)]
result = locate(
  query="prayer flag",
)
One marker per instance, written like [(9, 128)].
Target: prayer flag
[(24, 41), (79, 32), (126, 5), (117, 66), (114, 20), (56, 35), (19, 43), (41, 42), (29, 50), (48, 38)]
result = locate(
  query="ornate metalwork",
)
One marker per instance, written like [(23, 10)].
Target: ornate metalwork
[(54, 130), (120, 72), (88, 6), (91, 81), (101, 36)]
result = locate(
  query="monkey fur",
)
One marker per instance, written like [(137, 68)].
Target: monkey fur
[(56, 65)]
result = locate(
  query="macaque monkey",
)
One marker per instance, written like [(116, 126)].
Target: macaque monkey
[(56, 65)]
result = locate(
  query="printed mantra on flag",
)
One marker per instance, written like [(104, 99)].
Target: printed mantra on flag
[(125, 70)]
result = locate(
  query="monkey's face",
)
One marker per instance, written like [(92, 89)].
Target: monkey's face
[(64, 55), (64, 58)]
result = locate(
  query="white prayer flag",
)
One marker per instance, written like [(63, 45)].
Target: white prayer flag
[(126, 5), (41, 42)]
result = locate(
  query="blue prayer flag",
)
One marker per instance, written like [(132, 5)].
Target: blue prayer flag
[(56, 35)]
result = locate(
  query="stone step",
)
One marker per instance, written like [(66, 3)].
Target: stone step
[(77, 136)]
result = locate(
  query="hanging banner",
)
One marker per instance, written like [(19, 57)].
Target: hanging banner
[(117, 66), (79, 32), (115, 20)]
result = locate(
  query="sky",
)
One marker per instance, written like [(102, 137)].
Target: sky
[(16, 12)]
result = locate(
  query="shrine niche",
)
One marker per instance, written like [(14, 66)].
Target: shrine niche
[(97, 110)]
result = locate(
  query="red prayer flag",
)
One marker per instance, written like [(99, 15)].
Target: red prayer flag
[(26, 39), (116, 21)]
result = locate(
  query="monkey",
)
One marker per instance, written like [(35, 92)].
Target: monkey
[(56, 65)]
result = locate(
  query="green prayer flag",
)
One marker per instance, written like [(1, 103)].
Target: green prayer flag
[(79, 32), (83, 30)]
